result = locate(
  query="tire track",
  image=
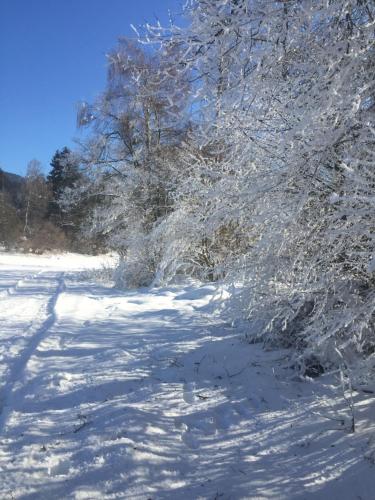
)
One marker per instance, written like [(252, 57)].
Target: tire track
[(19, 365)]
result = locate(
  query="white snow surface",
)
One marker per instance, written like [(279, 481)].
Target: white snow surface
[(147, 394)]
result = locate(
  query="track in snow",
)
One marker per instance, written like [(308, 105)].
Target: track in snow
[(35, 336)]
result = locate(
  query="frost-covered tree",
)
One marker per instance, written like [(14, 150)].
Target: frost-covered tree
[(267, 182), (132, 157), (285, 93)]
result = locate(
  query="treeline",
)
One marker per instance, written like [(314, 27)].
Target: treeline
[(241, 148), (31, 216)]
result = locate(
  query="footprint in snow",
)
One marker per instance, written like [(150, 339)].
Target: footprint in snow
[(189, 438), (188, 393)]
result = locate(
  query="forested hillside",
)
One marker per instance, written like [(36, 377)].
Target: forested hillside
[(11, 185), (31, 218)]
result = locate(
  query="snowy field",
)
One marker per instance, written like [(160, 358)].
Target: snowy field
[(147, 395)]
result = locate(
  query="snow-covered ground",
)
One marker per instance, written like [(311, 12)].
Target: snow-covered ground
[(147, 395)]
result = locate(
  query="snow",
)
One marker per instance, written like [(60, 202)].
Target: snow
[(371, 266), (148, 394)]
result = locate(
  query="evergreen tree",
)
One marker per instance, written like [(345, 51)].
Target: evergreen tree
[(64, 174)]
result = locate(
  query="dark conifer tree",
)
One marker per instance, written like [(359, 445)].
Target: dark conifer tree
[(64, 174)]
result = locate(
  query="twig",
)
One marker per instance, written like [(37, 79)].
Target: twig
[(202, 396)]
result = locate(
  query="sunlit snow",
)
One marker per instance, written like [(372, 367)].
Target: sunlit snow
[(147, 394)]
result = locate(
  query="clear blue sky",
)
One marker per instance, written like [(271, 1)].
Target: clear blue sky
[(52, 55)]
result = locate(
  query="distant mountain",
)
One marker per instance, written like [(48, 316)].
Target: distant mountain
[(12, 185)]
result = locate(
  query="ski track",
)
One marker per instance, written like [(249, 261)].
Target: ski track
[(145, 395), (37, 335)]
